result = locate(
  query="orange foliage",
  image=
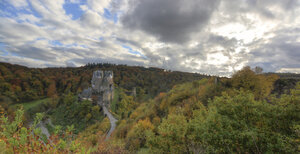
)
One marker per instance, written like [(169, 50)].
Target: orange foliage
[(110, 147), (51, 89)]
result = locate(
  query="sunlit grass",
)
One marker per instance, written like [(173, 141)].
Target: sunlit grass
[(29, 105)]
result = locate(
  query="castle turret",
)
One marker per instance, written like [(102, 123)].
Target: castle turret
[(103, 86)]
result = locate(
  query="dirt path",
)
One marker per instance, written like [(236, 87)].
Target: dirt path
[(45, 131), (112, 120)]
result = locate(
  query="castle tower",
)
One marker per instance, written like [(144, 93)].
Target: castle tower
[(97, 81), (103, 86)]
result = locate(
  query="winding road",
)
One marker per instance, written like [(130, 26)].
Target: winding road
[(44, 129), (111, 118)]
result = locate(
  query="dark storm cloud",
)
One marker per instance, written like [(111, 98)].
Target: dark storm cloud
[(170, 20)]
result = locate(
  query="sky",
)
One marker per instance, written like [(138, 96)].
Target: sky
[(215, 37)]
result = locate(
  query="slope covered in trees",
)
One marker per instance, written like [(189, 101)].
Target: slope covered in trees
[(242, 114), (22, 84), (237, 115)]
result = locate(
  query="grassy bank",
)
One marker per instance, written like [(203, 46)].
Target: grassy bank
[(31, 104)]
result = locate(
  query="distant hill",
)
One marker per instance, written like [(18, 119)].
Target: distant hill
[(287, 75), (286, 82), (22, 84)]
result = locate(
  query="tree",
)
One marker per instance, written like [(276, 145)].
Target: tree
[(240, 124), (126, 105), (258, 70), (51, 89), (137, 136), (260, 85), (15, 138), (171, 136)]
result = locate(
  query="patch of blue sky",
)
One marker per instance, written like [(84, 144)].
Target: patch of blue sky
[(2, 45), (39, 24), (2, 49), (28, 21), (84, 46), (81, 2), (8, 10), (34, 12), (4, 52), (55, 43), (130, 50), (75, 45), (37, 39), (74, 9), (110, 16), (71, 45)]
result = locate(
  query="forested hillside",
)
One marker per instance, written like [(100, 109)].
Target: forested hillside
[(236, 115), (242, 114), (22, 84)]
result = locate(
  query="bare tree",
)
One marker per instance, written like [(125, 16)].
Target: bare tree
[(258, 70)]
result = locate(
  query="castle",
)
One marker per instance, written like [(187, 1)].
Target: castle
[(102, 87)]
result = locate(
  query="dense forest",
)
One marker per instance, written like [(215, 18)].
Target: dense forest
[(173, 112), (23, 84)]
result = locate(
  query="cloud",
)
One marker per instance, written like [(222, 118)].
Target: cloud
[(91, 18), (281, 51), (19, 3), (98, 5), (170, 20), (289, 70), (206, 36)]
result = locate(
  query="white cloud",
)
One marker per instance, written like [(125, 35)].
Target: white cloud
[(232, 34), (289, 70), (19, 3), (98, 5), (75, 1)]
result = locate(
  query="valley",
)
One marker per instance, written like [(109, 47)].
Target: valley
[(192, 114)]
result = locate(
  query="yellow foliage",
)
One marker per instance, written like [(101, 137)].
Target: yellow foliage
[(260, 85), (88, 116), (160, 96), (2, 112), (111, 147), (134, 115), (90, 136), (122, 128), (141, 126), (156, 120), (136, 136)]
